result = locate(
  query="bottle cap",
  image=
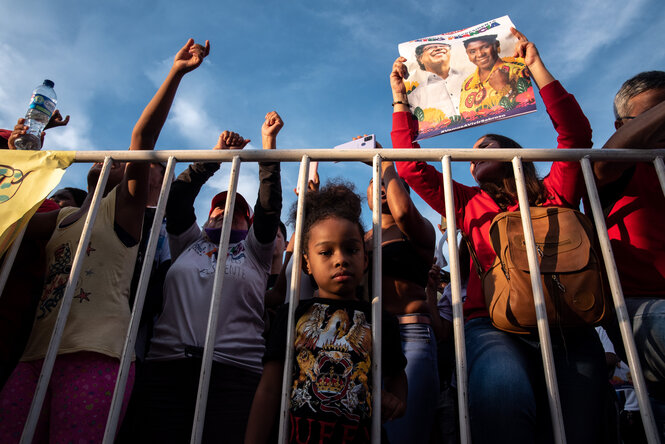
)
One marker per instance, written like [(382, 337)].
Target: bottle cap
[(49, 83)]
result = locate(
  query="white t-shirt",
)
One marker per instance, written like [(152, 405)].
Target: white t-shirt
[(621, 379), (187, 295)]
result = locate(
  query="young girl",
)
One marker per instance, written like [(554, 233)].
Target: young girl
[(332, 384), (507, 394)]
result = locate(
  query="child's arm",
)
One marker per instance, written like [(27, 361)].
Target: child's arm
[(393, 397), (265, 407)]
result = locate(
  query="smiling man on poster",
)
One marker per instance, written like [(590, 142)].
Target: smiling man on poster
[(494, 79), (443, 84)]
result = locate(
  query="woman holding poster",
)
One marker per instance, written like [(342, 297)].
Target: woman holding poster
[(507, 393)]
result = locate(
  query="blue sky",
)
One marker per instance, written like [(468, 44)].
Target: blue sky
[(322, 65)]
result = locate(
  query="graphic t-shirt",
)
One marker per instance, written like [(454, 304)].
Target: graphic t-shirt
[(331, 395)]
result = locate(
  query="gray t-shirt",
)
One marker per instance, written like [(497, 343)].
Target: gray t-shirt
[(187, 294)]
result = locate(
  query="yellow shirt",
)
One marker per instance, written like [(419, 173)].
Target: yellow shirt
[(99, 315), (477, 95)]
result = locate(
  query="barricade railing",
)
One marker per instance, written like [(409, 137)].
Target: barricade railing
[(445, 156)]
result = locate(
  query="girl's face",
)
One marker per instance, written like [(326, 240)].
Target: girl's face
[(487, 171), (336, 257)]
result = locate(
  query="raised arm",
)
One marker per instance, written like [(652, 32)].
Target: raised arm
[(407, 217), (269, 202), (646, 131), (133, 190), (423, 178)]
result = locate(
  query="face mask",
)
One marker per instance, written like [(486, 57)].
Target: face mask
[(237, 236), (215, 234)]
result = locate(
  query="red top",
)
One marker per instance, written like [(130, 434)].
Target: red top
[(474, 208), (636, 219), (635, 226)]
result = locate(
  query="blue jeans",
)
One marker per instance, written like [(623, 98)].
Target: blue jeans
[(647, 318), (507, 391), (419, 347)]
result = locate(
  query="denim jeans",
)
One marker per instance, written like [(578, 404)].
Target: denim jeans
[(647, 317), (419, 347), (507, 391)]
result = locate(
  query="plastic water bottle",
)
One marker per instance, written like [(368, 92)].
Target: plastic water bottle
[(42, 106)]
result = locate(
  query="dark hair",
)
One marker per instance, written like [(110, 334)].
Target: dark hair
[(282, 228), (421, 49), (335, 199), (78, 194), (638, 84), (506, 194)]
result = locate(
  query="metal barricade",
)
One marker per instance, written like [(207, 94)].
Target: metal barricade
[(516, 156)]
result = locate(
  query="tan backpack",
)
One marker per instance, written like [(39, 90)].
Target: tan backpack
[(571, 271)]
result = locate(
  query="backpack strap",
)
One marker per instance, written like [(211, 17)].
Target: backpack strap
[(474, 257)]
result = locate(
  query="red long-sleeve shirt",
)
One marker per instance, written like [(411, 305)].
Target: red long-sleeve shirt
[(474, 208)]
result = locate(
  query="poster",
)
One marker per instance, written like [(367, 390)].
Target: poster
[(466, 78)]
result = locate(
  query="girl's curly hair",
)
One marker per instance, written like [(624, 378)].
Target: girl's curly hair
[(335, 199)]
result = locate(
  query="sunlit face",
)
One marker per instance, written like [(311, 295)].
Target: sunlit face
[(216, 219), (434, 56), (64, 199), (370, 195), (483, 54), (486, 171), (336, 257)]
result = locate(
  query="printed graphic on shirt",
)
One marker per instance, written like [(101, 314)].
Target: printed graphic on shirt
[(333, 364), (56, 281), (234, 258)]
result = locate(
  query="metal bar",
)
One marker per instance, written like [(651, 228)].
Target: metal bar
[(377, 301), (458, 314), (130, 339), (424, 154), (8, 263), (648, 420), (539, 301), (65, 305), (660, 170), (294, 297), (215, 304)]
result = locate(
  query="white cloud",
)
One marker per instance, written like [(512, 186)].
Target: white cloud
[(589, 26)]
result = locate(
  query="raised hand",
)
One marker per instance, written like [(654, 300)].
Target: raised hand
[(190, 56), (19, 129), (312, 185), (525, 49), (271, 127), (229, 140), (57, 120), (398, 75)]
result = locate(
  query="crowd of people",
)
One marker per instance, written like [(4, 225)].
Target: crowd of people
[(330, 399)]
